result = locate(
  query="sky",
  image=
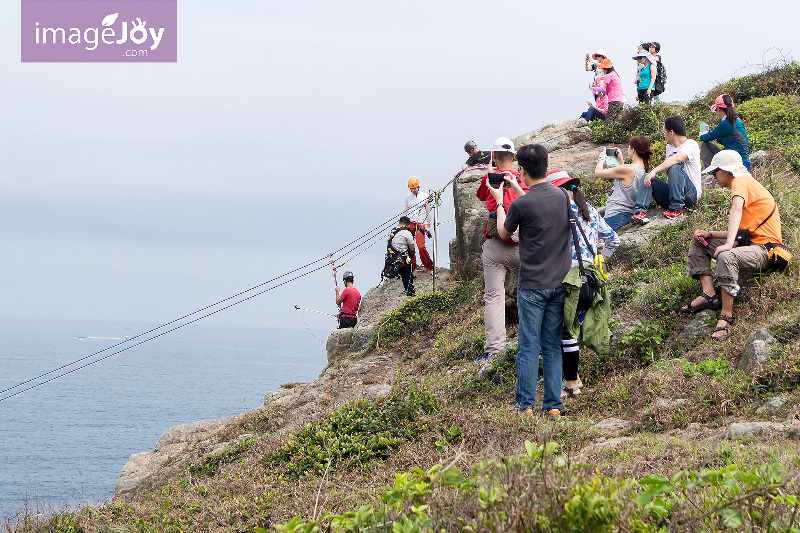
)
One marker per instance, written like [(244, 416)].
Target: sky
[(143, 192)]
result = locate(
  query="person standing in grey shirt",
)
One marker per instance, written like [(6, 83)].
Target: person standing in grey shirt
[(542, 217)]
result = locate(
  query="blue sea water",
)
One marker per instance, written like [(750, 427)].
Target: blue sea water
[(65, 442)]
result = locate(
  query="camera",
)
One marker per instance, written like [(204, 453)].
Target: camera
[(496, 179)]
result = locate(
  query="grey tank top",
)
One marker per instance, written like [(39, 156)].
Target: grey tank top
[(622, 199)]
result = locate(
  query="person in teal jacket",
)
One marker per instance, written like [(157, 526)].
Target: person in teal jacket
[(730, 133)]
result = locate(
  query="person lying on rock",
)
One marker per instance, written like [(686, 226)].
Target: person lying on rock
[(752, 208), (476, 157), (682, 188)]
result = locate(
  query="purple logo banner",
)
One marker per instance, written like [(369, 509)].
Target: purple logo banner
[(103, 31)]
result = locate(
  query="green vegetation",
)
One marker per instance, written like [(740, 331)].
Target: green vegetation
[(354, 435), (541, 491), (446, 451), (768, 103)]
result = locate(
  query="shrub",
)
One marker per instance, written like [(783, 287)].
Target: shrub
[(354, 434)]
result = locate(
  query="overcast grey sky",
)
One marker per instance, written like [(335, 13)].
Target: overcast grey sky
[(286, 129)]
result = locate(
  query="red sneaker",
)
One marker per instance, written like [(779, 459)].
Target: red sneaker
[(640, 218), (673, 214)]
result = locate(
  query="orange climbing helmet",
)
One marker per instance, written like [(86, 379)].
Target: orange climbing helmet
[(413, 182)]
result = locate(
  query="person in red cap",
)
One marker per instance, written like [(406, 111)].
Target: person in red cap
[(730, 133), (418, 209)]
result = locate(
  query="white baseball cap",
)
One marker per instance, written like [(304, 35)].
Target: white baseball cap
[(503, 144), (729, 160)]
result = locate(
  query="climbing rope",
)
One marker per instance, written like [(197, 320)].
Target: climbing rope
[(355, 247), (306, 325)]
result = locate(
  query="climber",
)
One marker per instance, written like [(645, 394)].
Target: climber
[(418, 210), (349, 300)]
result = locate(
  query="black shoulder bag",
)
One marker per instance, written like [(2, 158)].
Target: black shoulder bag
[(743, 235), (588, 281)]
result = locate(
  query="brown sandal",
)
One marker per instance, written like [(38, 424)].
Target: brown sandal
[(712, 302), (728, 322)]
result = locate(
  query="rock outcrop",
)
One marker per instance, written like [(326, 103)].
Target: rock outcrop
[(176, 447), (756, 352), (375, 305)]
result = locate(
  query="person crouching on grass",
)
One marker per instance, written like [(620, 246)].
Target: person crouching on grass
[(752, 208)]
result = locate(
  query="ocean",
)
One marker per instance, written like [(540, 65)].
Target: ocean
[(64, 443)]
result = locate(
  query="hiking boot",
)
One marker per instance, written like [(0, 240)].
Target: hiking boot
[(669, 213), (552, 414), (640, 218)]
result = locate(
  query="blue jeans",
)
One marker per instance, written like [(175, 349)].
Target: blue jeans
[(541, 319), (618, 220), (678, 192), (592, 114)]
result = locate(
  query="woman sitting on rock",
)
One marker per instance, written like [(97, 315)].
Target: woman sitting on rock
[(627, 180), (598, 109), (595, 228), (730, 133)]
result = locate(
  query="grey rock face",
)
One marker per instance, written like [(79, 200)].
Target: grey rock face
[(757, 351), (556, 137), (147, 467), (669, 403), (754, 428), (772, 406), (613, 425), (338, 342), (700, 326), (381, 300), (471, 213), (633, 237)]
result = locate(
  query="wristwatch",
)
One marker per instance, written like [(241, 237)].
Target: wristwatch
[(501, 205)]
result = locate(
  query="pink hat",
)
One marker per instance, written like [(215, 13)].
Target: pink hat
[(720, 102)]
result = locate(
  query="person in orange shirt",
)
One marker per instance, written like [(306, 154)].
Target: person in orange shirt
[(752, 208)]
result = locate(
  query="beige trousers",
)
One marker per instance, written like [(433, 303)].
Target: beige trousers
[(498, 258), (728, 263)]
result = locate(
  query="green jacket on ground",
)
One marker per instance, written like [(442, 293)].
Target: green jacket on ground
[(595, 331)]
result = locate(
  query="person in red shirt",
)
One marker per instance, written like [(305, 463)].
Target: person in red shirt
[(499, 255), (349, 300)]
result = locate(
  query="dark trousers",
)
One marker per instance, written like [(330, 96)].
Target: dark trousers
[(407, 276), (347, 321), (643, 98), (614, 109)]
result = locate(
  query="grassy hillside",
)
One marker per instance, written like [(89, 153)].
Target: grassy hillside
[(447, 452)]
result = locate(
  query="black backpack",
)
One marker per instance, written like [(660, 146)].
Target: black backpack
[(661, 78), (394, 261)]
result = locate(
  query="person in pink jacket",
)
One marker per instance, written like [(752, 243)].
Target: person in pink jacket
[(610, 84)]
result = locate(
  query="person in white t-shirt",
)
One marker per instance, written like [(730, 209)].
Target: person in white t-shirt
[(683, 187), (418, 209)]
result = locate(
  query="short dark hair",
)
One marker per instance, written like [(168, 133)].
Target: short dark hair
[(404, 220), (503, 156), (533, 158), (658, 46), (676, 125)]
